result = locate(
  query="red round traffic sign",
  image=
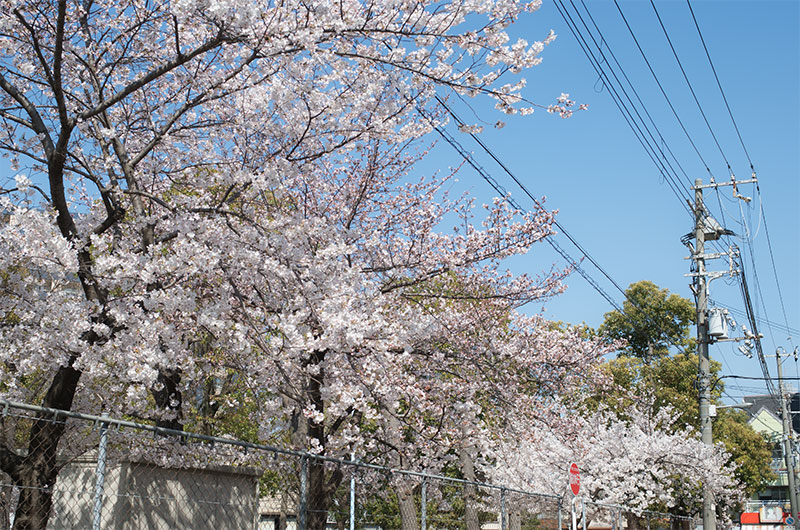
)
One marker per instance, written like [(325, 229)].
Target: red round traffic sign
[(574, 479)]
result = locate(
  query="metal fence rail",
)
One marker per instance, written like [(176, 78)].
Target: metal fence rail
[(119, 474)]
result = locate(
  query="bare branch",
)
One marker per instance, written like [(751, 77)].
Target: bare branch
[(155, 74), (16, 119), (36, 46), (151, 197), (37, 124)]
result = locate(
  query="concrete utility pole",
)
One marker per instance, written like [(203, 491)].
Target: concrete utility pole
[(704, 376), (708, 228), (787, 443)]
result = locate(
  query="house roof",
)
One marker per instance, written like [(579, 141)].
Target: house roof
[(764, 421), (764, 411)]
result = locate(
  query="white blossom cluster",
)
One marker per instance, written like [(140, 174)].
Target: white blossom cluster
[(644, 462)]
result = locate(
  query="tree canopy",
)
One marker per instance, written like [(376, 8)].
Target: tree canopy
[(227, 193), (645, 371), (652, 322)]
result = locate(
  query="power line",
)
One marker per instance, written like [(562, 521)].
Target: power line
[(749, 160), (651, 146), (672, 179), (754, 378), (751, 311), (532, 198), (754, 325), (767, 323), (725, 99), (774, 268), (503, 193), (596, 63), (689, 84), (725, 362), (661, 87), (633, 88)]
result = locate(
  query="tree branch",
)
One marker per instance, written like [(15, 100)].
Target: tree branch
[(155, 74), (16, 119), (37, 124), (36, 47), (58, 89)]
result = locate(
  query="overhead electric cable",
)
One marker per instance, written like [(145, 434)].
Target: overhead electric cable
[(660, 86), (750, 161), (635, 92), (689, 84), (753, 378), (752, 255), (503, 192), (627, 115), (748, 304), (725, 99), (536, 201), (727, 367), (674, 184), (507, 196), (775, 271), (767, 323), (666, 97), (596, 63)]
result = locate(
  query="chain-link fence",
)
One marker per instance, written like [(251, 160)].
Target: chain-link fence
[(115, 474)]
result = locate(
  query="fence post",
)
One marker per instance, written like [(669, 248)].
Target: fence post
[(353, 492), (100, 476), (424, 506), (503, 509), (560, 522), (302, 508)]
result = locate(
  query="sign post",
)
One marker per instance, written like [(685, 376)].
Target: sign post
[(575, 486)]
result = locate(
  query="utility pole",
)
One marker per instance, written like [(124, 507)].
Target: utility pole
[(704, 376), (706, 228), (787, 443)]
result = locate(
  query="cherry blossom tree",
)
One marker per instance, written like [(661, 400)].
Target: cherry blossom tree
[(387, 323), (644, 463), (212, 186)]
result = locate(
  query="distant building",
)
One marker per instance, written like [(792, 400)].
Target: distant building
[(765, 418)]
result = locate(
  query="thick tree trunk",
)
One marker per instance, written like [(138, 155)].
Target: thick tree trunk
[(470, 494), (321, 485), (36, 475), (36, 472), (169, 400), (407, 507), (634, 522), (318, 497), (287, 505)]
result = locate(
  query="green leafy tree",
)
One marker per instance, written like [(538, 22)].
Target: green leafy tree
[(644, 370), (749, 450), (651, 321)]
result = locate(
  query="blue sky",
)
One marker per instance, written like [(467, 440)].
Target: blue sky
[(610, 195)]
